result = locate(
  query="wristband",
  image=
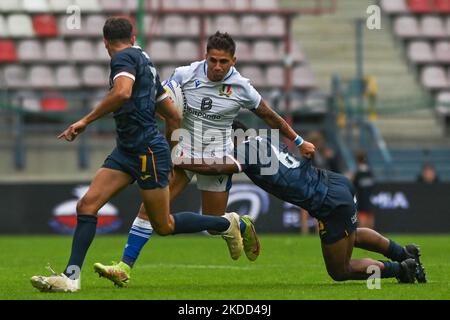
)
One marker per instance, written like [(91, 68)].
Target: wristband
[(298, 141)]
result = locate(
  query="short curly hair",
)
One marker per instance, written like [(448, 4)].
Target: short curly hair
[(118, 29), (221, 41)]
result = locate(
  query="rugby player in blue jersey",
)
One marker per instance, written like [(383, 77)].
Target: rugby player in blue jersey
[(328, 197), (142, 154)]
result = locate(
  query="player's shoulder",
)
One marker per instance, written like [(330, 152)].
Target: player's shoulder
[(236, 79), (197, 65), (127, 54), (192, 68), (185, 73)]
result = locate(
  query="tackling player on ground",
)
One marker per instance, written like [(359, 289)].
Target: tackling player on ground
[(328, 197)]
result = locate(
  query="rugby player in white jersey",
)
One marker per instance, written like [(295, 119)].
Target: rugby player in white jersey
[(215, 92)]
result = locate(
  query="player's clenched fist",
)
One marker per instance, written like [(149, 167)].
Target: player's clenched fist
[(307, 149), (73, 130)]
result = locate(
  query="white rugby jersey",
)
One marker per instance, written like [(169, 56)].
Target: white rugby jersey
[(211, 108)]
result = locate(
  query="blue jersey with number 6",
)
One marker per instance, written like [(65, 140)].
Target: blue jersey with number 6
[(272, 168)]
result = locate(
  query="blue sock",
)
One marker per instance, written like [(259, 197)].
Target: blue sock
[(140, 232), (190, 222), (391, 269), (242, 226), (82, 239), (395, 252)]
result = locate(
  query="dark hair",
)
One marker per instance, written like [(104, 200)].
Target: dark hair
[(221, 41), (118, 29), (239, 125), (361, 156)]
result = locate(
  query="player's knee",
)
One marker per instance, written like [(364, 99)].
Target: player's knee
[(81, 205), (162, 229), (85, 206), (338, 275)]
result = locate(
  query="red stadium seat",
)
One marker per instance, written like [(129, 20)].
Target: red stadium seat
[(8, 51), (421, 6), (54, 104), (45, 25), (442, 6)]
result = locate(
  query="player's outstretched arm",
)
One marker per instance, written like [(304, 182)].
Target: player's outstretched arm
[(225, 165), (168, 112), (274, 121), (121, 92)]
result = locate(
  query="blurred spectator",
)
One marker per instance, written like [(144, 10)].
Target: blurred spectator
[(371, 91), (364, 183), (428, 174), (325, 157)]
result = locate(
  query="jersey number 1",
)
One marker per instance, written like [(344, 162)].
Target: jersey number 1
[(143, 163)]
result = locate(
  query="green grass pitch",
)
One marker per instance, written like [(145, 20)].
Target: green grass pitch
[(198, 267)]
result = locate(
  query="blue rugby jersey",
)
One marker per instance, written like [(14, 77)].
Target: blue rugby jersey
[(296, 180), (136, 126)]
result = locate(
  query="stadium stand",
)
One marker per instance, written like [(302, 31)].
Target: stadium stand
[(423, 26), (442, 6), (420, 52), (7, 51), (59, 5), (40, 32), (41, 51), (67, 77), (434, 78), (442, 52), (394, 6), (409, 162), (42, 77), (420, 6), (56, 50), (54, 104), (10, 5), (406, 118), (45, 25)]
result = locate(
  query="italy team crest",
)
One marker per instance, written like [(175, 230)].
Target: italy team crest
[(226, 90)]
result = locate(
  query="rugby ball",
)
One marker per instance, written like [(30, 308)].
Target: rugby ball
[(175, 92)]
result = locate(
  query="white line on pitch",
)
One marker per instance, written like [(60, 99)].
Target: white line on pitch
[(192, 266)]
